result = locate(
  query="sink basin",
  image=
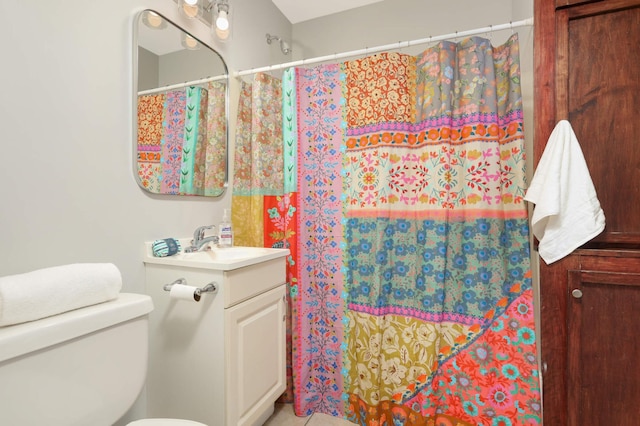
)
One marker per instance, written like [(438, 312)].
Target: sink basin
[(216, 258), (234, 253)]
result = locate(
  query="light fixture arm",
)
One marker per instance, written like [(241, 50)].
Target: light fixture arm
[(220, 5)]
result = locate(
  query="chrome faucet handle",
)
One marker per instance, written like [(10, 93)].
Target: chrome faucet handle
[(198, 235), (199, 241)]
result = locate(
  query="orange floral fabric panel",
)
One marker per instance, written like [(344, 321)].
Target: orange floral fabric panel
[(150, 118), (380, 88)]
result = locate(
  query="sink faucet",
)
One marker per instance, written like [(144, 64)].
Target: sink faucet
[(199, 240)]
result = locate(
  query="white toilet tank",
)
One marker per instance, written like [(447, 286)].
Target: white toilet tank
[(84, 367)]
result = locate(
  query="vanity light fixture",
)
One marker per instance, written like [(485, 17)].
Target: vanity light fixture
[(217, 13), (153, 20), (221, 19)]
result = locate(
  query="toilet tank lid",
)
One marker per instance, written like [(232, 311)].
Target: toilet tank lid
[(20, 339)]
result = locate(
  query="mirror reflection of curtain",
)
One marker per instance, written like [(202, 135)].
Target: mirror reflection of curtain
[(182, 140), (174, 119), (150, 118), (216, 147), (195, 131)]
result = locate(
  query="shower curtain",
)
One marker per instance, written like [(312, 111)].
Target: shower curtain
[(412, 303), (263, 208)]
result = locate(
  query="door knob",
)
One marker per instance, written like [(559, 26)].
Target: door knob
[(577, 293)]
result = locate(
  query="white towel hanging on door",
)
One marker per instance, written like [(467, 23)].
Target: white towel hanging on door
[(567, 212)]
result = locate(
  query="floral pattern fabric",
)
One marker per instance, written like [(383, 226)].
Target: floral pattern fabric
[(439, 325), (258, 162), (173, 128), (216, 145), (190, 173), (319, 303), (182, 141), (409, 280), (150, 117), (264, 213)]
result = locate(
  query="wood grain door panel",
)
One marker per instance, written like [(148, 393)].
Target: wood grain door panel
[(603, 377), (600, 72)]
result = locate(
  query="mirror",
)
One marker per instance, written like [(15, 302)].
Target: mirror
[(180, 111)]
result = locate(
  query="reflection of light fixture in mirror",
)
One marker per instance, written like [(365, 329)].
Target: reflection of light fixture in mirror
[(284, 46), (189, 42), (221, 19), (153, 20), (189, 7)]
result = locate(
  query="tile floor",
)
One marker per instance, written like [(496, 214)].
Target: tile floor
[(284, 416)]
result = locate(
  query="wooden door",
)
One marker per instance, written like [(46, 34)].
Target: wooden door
[(587, 71), (603, 375), (600, 72)]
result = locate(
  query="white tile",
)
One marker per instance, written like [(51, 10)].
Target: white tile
[(283, 415), (320, 419)]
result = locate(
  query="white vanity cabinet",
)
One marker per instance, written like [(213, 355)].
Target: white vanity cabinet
[(219, 361)]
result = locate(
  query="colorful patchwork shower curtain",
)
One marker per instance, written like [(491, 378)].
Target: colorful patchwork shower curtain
[(414, 303), (397, 183)]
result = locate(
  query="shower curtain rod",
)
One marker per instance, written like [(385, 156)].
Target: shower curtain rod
[(181, 85), (398, 45)]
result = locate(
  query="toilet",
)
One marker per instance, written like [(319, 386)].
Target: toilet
[(82, 367)]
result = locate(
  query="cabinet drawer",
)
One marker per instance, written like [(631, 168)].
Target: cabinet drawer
[(244, 283)]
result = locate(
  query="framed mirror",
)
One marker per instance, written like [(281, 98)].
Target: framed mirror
[(180, 111)]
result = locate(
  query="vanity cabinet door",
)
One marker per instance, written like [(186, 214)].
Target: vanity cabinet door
[(255, 359)]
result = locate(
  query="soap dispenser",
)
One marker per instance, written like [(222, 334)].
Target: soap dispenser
[(225, 230)]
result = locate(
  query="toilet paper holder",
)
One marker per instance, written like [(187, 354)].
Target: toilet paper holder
[(209, 288)]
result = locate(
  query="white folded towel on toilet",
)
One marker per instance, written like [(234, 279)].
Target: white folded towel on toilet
[(567, 212), (50, 291)]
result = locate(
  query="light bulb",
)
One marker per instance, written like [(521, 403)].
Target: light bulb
[(222, 22)]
